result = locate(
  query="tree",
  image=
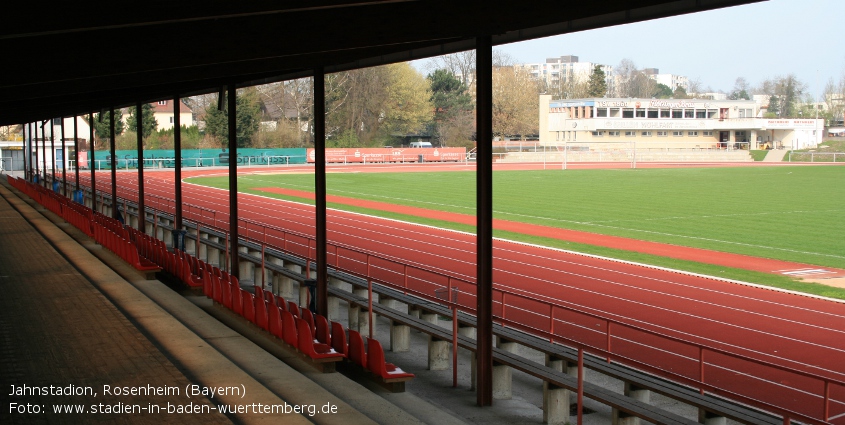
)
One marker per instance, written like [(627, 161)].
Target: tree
[(680, 93), (101, 127), (148, 122), (774, 106), (289, 100), (515, 102), (247, 118), (408, 106), (787, 90), (662, 91), (631, 82), (376, 103), (453, 120), (597, 86), (740, 90), (461, 65), (570, 86)]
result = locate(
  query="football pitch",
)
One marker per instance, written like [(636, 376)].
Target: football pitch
[(786, 213)]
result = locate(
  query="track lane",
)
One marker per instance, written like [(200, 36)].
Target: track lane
[(805, 329)]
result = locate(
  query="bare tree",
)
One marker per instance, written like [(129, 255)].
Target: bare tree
[(461, 65)]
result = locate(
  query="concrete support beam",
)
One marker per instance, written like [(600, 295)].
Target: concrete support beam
[(360, 316), (502, 375), (400, 335), (202, 249), (214, 252), (637, 393), (245, 269), (708, 418), (191, 243), (556, 400), (438, 349), (286, 283), (333, 302)]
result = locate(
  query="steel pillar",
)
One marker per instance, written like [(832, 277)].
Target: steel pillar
[(233, 182), (76, 150), (320, 189), (177, 172), (52, 151), (484, 205), (64, 158), (113, 164), (93, 163), (139, 124)]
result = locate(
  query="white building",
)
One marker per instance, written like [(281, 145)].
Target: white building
[(672, 123), (163, 113), (669, 80), (14, 154), (558, 70)]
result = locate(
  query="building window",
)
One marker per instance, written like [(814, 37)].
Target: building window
[(662, 133), (601, 112), (652, 113), (613, 133), (701, 114), (597, 133), (692, 133), (645, 134), (162, 102), (171, 120), (711, 113), (627, 113), (630, 134), (664, 113), (689, 113), (640, 113), (677, 133), (707, 134), (679, 113)]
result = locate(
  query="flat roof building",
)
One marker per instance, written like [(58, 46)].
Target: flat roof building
[(673, 123)]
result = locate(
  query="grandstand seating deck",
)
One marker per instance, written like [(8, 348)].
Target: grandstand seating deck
[(78, 315)]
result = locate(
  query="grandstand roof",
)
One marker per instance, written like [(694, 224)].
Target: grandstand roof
[(70, 58)]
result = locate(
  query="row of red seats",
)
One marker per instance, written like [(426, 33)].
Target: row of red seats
[(313, 335), (105, 230), (121, 246)]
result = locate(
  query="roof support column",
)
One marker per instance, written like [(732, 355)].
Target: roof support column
[(320, 188), (27, 158), (64, 158), (92, 164), (234, 268), (113, 165), (484, 206), (177, 172), (139, 126), (52, 151), (76, 150), (43, 154)]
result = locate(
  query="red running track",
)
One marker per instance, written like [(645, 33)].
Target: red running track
[(576, 297)]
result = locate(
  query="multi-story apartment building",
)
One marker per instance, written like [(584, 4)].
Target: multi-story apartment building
[(556, 71)]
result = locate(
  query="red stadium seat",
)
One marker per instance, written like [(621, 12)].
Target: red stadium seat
[(376, 363), (323, 333), (311, 348), (274, 319), (356, 349), (289, 329), (339, 339)]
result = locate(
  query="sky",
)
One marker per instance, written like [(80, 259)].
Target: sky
[(756, 41)]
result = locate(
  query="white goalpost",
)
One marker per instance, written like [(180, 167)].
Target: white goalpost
[(599, 151)]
